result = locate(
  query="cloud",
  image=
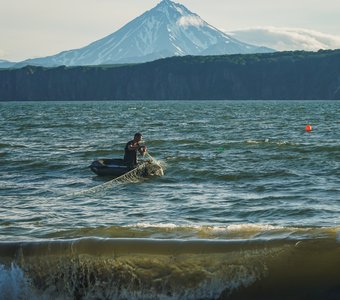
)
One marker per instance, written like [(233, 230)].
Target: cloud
[(2, 53), (283, 39), (187, 21)]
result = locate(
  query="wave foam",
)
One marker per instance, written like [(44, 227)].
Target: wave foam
[(13, 284)]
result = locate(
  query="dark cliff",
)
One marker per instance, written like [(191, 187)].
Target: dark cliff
[(281, 75)]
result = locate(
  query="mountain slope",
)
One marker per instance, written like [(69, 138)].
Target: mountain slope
[(169, 29), (6, 63)]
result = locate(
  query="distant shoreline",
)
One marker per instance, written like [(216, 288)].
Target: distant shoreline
[(295, 75), (169, 100)]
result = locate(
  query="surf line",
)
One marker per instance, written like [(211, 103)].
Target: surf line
[(132, 176)]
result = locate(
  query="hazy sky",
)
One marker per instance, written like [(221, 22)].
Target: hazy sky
[(35, 28)]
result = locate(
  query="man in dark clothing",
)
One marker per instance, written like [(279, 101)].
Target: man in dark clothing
[(131, 148)]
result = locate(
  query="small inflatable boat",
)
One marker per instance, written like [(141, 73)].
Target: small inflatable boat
[(109, 167), (117, 167)]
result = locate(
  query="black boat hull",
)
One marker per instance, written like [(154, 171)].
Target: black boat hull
[(109, 167)]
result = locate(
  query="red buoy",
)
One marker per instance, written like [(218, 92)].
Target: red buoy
[(309, 128)]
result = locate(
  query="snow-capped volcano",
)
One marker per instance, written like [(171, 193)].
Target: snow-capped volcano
[(168, 29)]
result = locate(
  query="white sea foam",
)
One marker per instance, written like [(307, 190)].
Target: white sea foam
[(13, 284), (337, 234)]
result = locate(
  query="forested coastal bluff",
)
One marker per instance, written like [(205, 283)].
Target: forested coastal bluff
[(297, 75)]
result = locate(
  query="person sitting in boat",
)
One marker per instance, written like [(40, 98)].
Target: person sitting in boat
[(131, 148)]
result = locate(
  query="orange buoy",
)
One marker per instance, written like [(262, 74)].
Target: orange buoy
[(309, 128)]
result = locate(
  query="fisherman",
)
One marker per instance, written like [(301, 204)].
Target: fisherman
[(131, 148)]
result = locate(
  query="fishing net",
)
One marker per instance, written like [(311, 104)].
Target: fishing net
[(150, 167), (147, 168)]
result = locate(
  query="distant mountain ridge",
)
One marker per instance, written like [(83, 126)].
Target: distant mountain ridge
[(169, 29), (269, 76), (6, 63)]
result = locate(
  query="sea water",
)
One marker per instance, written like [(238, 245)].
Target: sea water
[(248, 207)]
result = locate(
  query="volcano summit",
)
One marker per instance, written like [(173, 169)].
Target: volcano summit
[(169, 29)]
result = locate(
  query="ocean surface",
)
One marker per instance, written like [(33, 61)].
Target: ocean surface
[(248, 207)]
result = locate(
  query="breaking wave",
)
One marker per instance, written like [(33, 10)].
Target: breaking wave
[(304, 263)]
